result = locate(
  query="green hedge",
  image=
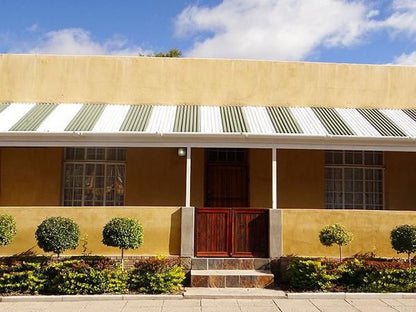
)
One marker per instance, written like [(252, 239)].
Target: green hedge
[(351, 275), (99, 276)]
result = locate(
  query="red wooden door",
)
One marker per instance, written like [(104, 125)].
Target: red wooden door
[(231, 232)]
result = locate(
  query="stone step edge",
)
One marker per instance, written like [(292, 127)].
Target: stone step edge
[(231, 273)]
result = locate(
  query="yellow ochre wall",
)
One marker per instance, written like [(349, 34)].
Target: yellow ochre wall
[(300, 179), (177, 81), (30, 176), (371, 230), (162, 228)]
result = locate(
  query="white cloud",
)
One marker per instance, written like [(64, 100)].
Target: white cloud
[(272, 29), (78, 41), (33, 28), (403, 18), (406, 59)]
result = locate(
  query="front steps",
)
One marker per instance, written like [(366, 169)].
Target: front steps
[(231, 272)]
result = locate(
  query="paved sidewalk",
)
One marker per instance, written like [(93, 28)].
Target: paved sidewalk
[(222, 305)]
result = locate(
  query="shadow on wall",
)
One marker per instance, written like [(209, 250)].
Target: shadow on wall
[(175, 232)]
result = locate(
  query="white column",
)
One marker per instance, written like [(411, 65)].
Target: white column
[(274, 179), (188, 177)]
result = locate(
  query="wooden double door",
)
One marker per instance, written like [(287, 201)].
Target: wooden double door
[(231, 232), (226, 227)]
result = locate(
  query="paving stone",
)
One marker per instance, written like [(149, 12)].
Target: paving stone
[(256, 303), (246, 264), (261, 264), (248, 281), (232, 281), (216, 281), (367, 304), (329, 305), (199, 281), (219, 303), (231, 264), (215, 264), (295, 305), (182, 303)]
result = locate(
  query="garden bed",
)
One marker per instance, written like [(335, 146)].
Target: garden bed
[(358, 274), (90, 275)]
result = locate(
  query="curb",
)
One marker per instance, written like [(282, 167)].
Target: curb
[(87, 298), (343, 295)]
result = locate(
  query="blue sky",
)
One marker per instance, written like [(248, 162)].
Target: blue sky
[(345, 31)]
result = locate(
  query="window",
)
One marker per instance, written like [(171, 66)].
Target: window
[(94, 176), (354, 179)]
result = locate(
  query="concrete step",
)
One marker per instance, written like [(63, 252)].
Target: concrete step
[(232, 278), (230, 263)]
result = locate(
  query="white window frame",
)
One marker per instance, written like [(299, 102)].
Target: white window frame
[(119, 163), (362, 166)]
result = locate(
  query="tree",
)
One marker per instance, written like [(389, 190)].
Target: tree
[(57, 234), (171, 53), (124, 233), (335, 234), (7, 229), (403, 240)]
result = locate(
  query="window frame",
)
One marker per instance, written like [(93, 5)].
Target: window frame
[(84, 161), (362, 166)]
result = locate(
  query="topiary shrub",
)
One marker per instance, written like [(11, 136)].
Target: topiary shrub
[(403, 240), (124, 233), (57, 234), (7, 229), (335, 234)]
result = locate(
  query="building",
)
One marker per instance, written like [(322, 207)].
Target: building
[(94, 137)]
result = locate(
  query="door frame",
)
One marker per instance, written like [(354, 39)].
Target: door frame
[(207, 162)]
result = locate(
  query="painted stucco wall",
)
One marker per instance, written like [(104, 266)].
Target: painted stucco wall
[(146, 80), (161, 228), (300, 179), (260, 167), (371, 231), (400, 181), (155, 176), (30, 176)]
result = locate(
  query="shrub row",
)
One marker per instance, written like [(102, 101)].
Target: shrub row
[(351, 275), (70, 277)]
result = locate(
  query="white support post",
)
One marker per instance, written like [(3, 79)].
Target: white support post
[(188, 177), (274, 179)]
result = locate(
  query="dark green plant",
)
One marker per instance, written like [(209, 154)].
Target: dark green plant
[(157, 275), (335, 234), (403, 240), (7, 229), (124, 233), (22, 278), (74, 277), (57, 234)]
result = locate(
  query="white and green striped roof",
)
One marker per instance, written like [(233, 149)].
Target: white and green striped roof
[(52, 118)]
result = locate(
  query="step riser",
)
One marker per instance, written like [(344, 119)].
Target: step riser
[(230, 264), (221, 281)]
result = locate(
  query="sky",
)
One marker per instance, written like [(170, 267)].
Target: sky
[(341, 31)]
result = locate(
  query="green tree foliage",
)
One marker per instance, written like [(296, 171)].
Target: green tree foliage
[(171, 53), (124, 233), (403, 240), (7, 229), (57, 234), (335, 234)]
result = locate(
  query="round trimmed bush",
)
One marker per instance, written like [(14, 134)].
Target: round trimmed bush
[(124, 233), (57, 234), (403, 239), (335, 234), (7, 229)]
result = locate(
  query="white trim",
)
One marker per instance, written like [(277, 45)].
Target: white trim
[(188, 176), (60, 117), (211, 119), (401, 120), (162, 119), (13, 113), (112, 118), (357, 123), (274, 179), (308, 121), (258, 120)]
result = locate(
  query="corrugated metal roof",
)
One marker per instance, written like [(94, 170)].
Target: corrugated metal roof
[(283, 120), (137, 118), (86, 118), (381, 122), (264, 121), (3, 106), (32, 120), (233, 119), (332, 121), (187, 119)]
